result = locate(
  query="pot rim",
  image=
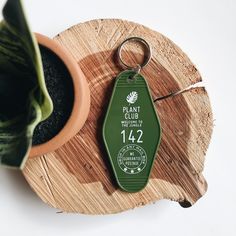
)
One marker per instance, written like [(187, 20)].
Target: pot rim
[(81, 104)]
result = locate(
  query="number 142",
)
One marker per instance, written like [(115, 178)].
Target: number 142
[(132, 136)]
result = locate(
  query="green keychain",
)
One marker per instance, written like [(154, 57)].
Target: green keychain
[(131, 130)]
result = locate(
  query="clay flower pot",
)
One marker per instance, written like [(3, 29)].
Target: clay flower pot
[(81, 102)]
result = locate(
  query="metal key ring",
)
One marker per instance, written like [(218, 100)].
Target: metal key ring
[(147, 58)]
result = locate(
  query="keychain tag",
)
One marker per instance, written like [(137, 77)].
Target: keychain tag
[(131, 130)]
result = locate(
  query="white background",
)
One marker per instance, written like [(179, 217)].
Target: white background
[(206, 31)]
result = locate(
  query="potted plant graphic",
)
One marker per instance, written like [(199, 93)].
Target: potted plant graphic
[(44, 96)]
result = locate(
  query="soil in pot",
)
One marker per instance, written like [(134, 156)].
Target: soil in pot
[(60, 87)]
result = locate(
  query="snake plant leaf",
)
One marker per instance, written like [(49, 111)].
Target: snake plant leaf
[(24, 99)]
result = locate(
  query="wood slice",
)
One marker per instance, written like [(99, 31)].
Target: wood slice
[(77, 177)]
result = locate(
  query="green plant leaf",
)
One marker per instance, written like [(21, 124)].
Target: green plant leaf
[(24, 99)]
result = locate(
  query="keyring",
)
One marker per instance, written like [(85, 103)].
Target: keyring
[(146, 61)]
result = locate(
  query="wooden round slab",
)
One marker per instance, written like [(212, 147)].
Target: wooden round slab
[(77, 177)]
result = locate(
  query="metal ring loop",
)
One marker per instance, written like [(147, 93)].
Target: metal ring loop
[(149, 54)]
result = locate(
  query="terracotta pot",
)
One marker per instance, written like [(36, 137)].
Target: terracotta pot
[(81, 104)]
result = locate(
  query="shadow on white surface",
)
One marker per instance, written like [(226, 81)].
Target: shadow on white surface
[(28, 205)]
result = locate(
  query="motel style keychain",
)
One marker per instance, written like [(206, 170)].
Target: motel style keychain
[(131, 130)]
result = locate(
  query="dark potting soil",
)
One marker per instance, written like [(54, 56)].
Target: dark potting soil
[(61, 90)]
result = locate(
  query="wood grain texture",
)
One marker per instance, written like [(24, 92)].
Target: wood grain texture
[(77, 177)]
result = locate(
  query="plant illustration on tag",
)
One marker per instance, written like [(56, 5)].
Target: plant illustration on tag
[(131, 129), (132, 97)]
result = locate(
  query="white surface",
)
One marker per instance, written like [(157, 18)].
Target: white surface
[(206, 31)]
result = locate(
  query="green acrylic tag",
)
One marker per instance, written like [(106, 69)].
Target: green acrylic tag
[(131, 131)]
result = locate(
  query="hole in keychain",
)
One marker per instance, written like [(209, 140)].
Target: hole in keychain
[(133, 78)]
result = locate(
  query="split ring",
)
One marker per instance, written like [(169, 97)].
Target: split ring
[(147, 57)]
